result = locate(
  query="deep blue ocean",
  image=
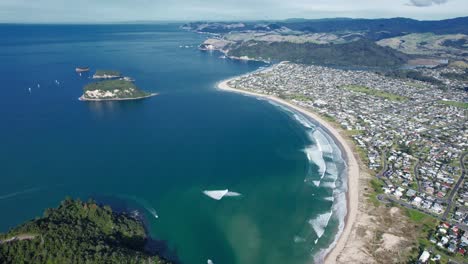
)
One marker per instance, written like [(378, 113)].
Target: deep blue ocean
[(158, 155)]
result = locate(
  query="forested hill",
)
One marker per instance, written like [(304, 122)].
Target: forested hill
[(78, 232), (359, 53)]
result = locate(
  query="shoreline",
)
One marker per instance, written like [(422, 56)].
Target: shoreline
[(352, 193), (81, 98)]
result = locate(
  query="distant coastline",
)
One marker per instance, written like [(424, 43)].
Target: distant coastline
[(352, 194), (82, 98)]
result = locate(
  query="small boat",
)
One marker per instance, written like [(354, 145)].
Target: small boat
[(82, 69)]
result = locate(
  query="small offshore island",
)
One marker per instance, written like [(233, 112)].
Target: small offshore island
[(78, 232), (114, 88)]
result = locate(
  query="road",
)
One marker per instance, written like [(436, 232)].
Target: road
[(416, 175), (455, 188)]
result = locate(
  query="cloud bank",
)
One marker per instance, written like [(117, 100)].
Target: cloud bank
[(425, 3)]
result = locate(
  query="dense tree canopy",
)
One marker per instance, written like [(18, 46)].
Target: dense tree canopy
[(78, 232)]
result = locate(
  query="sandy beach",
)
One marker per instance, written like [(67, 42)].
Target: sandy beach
[(352, 166)]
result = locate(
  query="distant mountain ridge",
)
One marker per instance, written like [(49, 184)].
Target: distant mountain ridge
[(376, 28)]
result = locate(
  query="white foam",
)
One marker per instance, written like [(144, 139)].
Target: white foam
[(332, 171), (315, 156), (232, 194), (298, 239), (306, 123), (331, 198), (321, 140), (209, 261), (219, 194), (331, 185), (320, 223), (284, 108), (340, 209)]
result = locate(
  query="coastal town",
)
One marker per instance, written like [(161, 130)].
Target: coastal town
[(411, 135)]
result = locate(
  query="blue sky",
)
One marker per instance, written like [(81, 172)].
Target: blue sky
[(90, 11)]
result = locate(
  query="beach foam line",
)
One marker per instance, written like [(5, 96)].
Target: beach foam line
[(314, 155), (347, 201), (219, 194), (303, 121)]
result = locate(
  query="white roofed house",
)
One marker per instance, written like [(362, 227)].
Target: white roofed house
[(424, 258)]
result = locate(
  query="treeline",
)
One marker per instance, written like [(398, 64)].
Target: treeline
[(456, 76), (78, 232), (415, 75), (362, 53)]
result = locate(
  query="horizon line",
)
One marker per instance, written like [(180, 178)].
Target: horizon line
[(209, 20)]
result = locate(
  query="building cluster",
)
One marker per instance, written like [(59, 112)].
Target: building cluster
[(412, 134), (446, 238)]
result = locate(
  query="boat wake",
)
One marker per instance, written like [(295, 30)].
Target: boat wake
[(11, 195), (153, 212), (145, 204), (219, 194)]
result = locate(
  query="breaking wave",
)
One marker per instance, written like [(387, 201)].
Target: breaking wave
[(306, 123), (325, 154), (320, 223)]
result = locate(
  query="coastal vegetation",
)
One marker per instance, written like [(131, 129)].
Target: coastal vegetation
[(113, 90), (78, 232), (375, 92), (109, 73)]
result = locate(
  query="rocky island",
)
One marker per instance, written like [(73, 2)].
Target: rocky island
[(109, 90), (78, 232)]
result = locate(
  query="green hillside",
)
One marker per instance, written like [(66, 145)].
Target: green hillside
[(358, 53), (77, 232)]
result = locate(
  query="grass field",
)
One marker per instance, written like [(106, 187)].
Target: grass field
[(374, 92), (456, 104)]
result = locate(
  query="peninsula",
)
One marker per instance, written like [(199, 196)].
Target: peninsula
[(78, 232), (113, 90)]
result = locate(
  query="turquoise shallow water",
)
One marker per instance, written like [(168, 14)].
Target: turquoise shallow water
[(160, 154)]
